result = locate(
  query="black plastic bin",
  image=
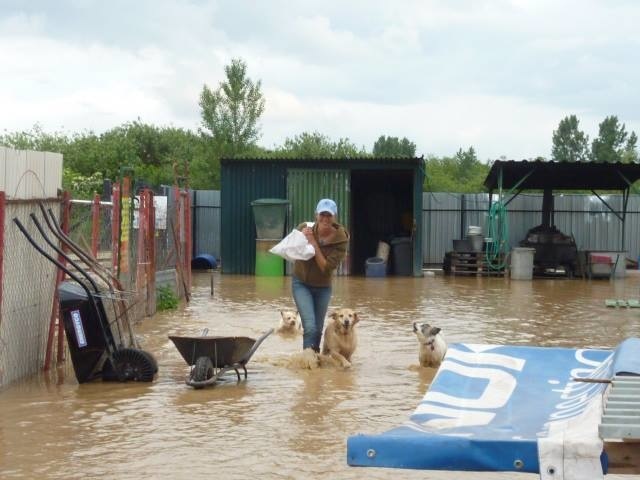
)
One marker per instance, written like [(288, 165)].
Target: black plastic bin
[(401, 251), (86, 336)]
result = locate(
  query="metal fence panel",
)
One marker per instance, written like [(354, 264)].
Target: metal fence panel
[(206, 222), (446, 217)]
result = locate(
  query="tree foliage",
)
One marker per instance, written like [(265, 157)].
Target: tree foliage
[(393, 147), (612, 144), (570, 144), (230, 113), (462, 173), (317, 145), (150, 151)]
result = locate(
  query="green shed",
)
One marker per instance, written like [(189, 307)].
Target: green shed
[(379, 199)]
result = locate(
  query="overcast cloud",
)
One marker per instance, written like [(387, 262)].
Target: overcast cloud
[(495, 75)]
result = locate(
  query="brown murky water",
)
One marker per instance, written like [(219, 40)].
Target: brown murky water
[(285, 422)]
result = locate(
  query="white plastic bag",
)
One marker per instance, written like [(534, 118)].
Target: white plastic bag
[(294, 246)]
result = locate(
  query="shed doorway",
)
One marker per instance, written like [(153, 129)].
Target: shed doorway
[(382, 210)]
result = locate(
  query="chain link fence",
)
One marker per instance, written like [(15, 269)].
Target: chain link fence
[(28, 282)]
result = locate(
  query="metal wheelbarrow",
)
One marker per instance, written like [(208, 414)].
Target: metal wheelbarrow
[(210, 357)]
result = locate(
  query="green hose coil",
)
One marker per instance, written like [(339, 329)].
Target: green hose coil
[(498, 231)]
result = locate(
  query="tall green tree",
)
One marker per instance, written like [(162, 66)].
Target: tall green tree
[(570, 144), (230, 113), (613, 143), (393, 147), (317, 145), (630, 153)]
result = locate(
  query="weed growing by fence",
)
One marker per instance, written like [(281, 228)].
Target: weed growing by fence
[(166, 298)]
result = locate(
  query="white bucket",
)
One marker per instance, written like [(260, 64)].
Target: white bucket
[(522, 263), (383, 251), (474, 230)]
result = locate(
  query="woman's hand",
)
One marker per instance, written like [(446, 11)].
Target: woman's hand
[(308, 232)]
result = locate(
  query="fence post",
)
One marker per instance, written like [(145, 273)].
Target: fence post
[(66, 223), (125, 227), (141, 247), (188, 238), (95, 225), (115, 230), (150, 243)]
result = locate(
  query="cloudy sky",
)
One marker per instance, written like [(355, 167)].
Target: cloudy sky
[(447, 74)]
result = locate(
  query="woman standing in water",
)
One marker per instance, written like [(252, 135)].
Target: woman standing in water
[(311, 282)]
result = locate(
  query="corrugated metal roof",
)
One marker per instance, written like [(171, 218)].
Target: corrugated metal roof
[(329, 162), (562, 175)]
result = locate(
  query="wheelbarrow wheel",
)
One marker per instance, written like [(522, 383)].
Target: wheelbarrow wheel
[(202, 370), (130, 364)]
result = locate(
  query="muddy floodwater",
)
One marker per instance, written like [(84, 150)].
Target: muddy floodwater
[(285, 421)]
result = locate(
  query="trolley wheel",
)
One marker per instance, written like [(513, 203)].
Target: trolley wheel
[(152, 359), (203, 369), (130, 364)]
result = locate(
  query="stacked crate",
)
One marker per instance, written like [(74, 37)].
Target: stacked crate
[(469, 263)]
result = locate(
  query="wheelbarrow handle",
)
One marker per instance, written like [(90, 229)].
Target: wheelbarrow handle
[(247, 356)]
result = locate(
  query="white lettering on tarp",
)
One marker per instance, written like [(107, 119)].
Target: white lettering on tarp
[(454, 416), (496, 393), (479, 410), (576, 396), (477, 357), (77, 326)]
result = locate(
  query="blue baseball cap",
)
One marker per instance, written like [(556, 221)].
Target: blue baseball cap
[(327, 205)]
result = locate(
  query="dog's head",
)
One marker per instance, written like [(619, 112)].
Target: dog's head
[(426, 333), (344, 319), (289, 318)]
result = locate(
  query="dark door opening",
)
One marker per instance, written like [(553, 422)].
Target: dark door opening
[(381, 210)]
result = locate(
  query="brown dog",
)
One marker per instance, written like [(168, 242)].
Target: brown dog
[(340, 338)]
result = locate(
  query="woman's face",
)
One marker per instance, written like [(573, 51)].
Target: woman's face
[(325, 219)]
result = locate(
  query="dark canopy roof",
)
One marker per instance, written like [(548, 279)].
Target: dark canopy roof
[(562, 175)]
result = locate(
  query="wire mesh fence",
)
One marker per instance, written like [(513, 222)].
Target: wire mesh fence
[(28, 282)]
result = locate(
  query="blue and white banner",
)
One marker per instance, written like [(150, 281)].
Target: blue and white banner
[(500, 408)]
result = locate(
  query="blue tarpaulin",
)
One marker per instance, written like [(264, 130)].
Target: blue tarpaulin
[(504, 408)]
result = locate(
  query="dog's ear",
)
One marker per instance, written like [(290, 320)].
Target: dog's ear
[(435, 330), (282, 313), (356, 319), (415, 327), (334, 315)]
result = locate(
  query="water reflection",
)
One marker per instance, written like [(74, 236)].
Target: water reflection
[(286, 422)]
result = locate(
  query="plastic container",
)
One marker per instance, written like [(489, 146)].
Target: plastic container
[(383, 251), (268, 264), (375, 267), (461, 245), (522, 263), (476, 242), (401, 248), (85, 336), (270, 215)]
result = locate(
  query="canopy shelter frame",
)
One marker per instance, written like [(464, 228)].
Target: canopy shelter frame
[(550, 176)]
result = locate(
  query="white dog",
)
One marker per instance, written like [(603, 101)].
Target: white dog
[(432, 344), (340, 338), (290, 322)]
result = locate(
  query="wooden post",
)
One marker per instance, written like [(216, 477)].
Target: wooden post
[(66, 224)]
